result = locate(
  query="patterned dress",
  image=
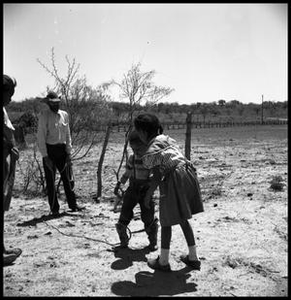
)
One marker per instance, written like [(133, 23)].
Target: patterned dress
[(180, 195)]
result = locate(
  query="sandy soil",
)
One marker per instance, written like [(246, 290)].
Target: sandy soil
[(241, 237)]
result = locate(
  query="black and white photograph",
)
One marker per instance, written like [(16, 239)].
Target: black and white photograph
[(145, 150)]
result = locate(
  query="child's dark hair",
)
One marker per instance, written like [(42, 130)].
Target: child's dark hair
[(8, 83), (148, 123)]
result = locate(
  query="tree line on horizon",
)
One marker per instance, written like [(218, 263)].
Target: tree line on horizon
[(220, 111)]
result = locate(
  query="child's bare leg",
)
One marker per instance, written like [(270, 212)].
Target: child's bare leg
[(190, 239), (166, 235), (162, 263)]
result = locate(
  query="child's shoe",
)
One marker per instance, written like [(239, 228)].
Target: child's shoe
[(155, 264), (194, 264)]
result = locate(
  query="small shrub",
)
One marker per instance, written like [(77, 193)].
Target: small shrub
[(276, 183)]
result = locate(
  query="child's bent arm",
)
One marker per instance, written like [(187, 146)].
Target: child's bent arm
[(125, 177), (154, 183), (155, 180)]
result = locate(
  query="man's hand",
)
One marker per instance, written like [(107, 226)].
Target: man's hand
[(69, 160), (15, 153), (116, 189), (48, 162)]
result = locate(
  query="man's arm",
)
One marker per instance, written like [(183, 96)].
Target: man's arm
[(8, 132), (41, 134), (68, 134)]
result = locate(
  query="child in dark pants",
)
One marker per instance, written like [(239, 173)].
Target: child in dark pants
[(139, 181), (180, 195)]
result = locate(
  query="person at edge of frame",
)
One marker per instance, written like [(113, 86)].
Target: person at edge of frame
[(10, 156)]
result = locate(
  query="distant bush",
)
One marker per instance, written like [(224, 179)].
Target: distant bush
[(276, 183)]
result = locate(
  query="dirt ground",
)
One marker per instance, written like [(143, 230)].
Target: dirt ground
[(241, 236)]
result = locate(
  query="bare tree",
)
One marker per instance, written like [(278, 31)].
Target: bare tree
[(138, 88), (87, 107)]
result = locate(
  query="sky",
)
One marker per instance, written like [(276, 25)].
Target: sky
[(205, 52)]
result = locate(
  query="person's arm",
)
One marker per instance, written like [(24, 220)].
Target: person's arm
[(8, 140), (68, 135), (122, 181), (125, 176), (155, 180), (8, 135), (41, 139), (9, 144), (41, 135)]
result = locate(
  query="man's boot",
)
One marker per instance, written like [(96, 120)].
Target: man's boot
[(121, 230), (152, 232)]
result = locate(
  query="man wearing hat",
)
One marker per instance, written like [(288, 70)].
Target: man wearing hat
[(55, 146)]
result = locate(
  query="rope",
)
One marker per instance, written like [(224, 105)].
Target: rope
[(85, 237), (98, 240)]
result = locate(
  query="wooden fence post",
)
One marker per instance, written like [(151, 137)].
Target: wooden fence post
[(100, 163), (188, 135)]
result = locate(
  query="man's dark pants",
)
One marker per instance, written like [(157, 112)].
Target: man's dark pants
[(58, 155)]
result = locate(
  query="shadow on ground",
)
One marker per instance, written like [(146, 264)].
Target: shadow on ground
[(156, 284), (127, 256), (35, 221)]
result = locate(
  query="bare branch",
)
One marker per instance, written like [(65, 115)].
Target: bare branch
[(137, 86)]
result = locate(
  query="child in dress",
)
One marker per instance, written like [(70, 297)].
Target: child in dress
[(139, 182), (180, 195)]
